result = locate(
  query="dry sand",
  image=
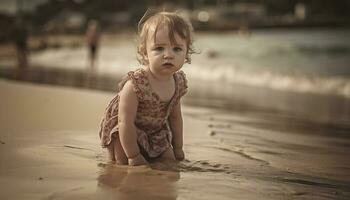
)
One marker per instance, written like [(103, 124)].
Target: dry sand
[(49, 149)]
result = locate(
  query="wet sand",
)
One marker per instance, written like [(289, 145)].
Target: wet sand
[(49, 149)]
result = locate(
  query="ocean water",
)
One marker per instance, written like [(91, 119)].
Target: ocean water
[(315, 61), (304, 71)]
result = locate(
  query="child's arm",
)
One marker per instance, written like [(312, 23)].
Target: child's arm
[(126, 121), (176, 126)]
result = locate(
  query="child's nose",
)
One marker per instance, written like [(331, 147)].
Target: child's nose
[(168, 53)]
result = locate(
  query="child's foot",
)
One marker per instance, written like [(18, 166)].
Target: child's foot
[(137, 160)]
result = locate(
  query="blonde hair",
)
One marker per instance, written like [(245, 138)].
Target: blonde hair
[(175, 24)]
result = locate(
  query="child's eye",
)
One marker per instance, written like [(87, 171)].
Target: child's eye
[(177, 49), (158, 49)]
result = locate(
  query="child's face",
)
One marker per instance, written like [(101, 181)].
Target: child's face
[(165, 58)]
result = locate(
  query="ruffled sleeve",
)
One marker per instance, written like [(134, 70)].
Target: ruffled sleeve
[(182, 83), (138, 83)]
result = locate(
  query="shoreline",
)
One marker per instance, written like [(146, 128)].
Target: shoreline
[(326, 108)]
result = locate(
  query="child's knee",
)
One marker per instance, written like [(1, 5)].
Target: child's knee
[(169, 154)]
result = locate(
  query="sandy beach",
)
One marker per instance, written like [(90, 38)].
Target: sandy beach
[(49, 149)]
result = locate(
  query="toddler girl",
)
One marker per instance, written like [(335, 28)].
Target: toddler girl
[(143, 121)]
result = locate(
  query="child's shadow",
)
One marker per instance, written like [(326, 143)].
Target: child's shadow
[(157, 181)]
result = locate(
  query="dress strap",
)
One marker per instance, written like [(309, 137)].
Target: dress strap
[(139, 83), (181, 89), (182, 83)]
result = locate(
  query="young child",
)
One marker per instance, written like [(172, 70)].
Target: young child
[(143, 121)]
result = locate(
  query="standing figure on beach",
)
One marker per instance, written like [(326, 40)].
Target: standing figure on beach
[(20, 36), (143, 122), (92, 40)]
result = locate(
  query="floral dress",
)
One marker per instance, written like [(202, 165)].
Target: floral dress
[(152, 128)]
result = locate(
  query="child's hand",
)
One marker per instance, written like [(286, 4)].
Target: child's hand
[(137, 160), (179, 154)]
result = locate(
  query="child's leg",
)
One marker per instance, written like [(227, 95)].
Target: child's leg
[(110, 149), (168, 155)]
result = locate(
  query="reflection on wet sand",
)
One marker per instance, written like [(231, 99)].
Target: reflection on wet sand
[(141, 182)]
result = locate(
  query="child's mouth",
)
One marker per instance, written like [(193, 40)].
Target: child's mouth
[(168, 65)]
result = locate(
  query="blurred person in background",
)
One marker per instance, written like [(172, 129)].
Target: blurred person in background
[(20, 37), (92, 40)]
